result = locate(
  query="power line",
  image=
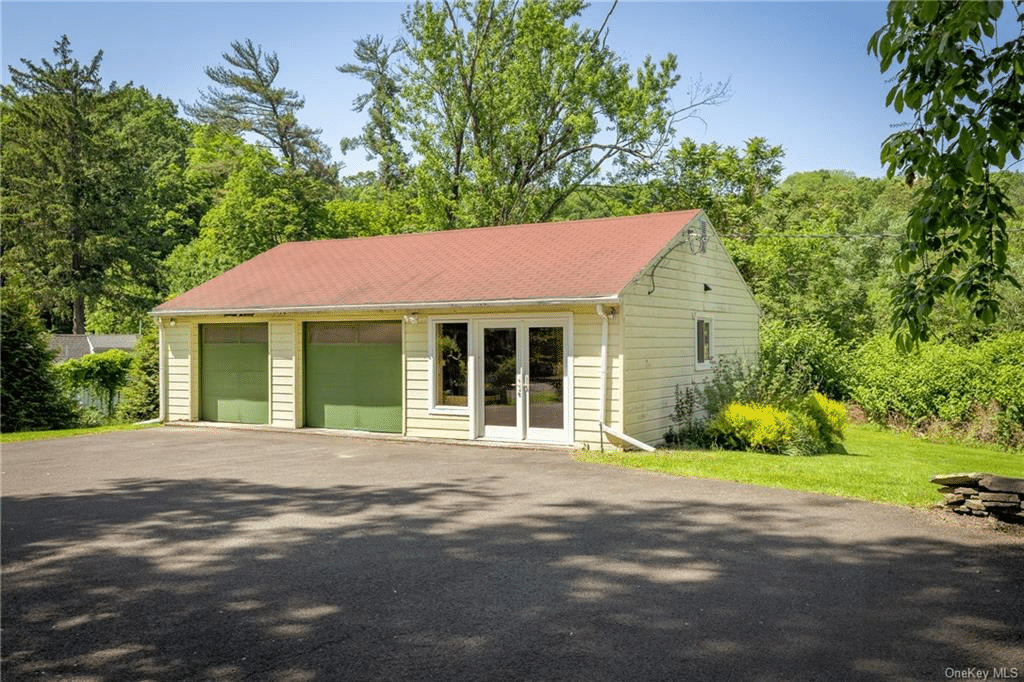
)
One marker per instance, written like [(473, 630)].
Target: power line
[(813, 236), (876, 235)]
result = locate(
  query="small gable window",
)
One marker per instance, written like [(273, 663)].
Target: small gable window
[(705, 347)]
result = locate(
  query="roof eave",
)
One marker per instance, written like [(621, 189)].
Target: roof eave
[(386, 307)]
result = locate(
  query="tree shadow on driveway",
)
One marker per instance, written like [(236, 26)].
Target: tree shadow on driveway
[(222, 579)]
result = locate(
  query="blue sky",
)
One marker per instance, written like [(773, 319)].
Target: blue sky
[(800, 73)]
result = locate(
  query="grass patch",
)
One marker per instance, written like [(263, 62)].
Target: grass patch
[(69, 433), (877, 465)]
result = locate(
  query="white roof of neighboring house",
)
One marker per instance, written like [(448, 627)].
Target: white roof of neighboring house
[(70, 346)]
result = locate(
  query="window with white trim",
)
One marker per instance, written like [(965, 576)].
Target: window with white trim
[(450, 355), (705, 347)]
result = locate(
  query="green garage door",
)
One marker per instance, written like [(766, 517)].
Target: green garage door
[(234, 376), (354, 376)]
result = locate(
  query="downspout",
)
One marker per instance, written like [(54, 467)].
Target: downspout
[(163, 370), (603, 409)]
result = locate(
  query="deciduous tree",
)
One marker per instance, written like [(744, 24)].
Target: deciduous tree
[(805, 254), (963, 84), (726, 182), (258, 204), (510, 107)]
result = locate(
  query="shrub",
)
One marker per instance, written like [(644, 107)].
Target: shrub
[(945, 386), (914, 386), (806, 438), (799, 358), (748, 427), (810, 426), (828, 415), (1005, 356), (31, 396), (768, 407), (734, 381), (794, 360), (688, 426), (140, 398), (101, 375)]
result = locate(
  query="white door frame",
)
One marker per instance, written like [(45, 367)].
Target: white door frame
[(522, 431)]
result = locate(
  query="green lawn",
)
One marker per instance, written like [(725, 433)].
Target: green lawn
[(881, 466), (68, 433)]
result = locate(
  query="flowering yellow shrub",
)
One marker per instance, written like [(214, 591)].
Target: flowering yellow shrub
[(753, 427), (829, 415), (811, 426)]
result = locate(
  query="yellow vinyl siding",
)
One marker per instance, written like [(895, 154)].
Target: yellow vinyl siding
[(421, 422), (660, 329), (178, 355), (286, 369), (587, 381), (282, 374)]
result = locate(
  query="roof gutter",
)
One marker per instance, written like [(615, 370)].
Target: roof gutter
[(605, 428), (273, 310)]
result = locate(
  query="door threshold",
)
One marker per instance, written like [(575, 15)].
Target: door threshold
[(524, 444)]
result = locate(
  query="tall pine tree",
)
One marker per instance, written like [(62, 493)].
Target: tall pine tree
[(80, 208), (246, 100)]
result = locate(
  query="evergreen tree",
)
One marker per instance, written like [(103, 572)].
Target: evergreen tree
[(81, 201), (31, 398), (380, 137), (247, 101)]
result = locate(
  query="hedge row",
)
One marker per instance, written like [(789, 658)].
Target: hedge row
[(974, 391), (945, 383)]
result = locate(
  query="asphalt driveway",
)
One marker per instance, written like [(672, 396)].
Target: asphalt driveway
[(213, 554)]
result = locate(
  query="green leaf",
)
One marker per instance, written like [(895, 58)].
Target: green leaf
[(997, 157), (914, 96), (928, 10), (891, 95), (952, 128)]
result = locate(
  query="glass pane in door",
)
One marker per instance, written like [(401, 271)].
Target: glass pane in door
[(547, 357), (500, 372)]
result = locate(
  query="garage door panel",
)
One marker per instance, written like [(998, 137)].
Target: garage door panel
[(235, 410), (354, 376), (235, 376)]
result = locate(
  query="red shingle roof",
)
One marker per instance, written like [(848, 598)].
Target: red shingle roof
[(574, 260)]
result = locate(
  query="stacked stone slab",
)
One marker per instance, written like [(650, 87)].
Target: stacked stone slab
[(983, 495)]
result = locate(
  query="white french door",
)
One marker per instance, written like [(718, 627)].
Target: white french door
[(524, 379)]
